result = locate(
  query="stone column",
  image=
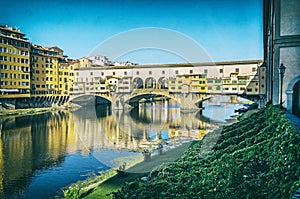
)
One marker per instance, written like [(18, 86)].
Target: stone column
[(289, 101)]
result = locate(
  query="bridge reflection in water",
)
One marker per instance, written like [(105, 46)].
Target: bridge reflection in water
[(40, 154)]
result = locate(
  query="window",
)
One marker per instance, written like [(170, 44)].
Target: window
[(253, 69), (191, 71), (3, 66), (137, 72), (102, 73), (262, 77), (91, 73), (226, 89), (2, 49), (114, 73), (176, 72), (3, 58), (202, 88), (209, 88), (163, 72), (221, 70), (205, 71), (237, 70), (125, 72), (150, 72), (249, 89), (218, 81), (234, 89)]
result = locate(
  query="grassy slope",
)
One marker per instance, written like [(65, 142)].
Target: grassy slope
[(142, 169), (257, 157)]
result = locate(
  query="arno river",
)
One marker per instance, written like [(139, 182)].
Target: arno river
[(40, 154)]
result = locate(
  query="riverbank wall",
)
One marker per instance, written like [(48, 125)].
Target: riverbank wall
[(32, 102)]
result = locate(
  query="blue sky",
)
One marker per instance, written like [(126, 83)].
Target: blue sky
[(225, 29)]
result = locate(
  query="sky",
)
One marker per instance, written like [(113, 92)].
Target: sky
[(227, 30)]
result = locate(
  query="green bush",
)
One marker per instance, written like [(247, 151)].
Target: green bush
[(73, 192)]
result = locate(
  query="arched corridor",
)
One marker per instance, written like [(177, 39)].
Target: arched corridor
[(138, 83), (163, 83), (296, 99), (293, 96), (150, 82)]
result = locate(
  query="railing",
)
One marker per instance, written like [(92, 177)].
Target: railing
[(150, 90)]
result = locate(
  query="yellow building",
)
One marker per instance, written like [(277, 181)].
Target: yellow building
[(194, 83), (72, 65), (198, 83), (64, 82), (14, 63), (214, 85), (49, 71)]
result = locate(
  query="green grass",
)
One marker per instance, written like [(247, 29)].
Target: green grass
[(138, 171)]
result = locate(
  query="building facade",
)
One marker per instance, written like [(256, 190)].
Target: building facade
[(282, 46), (14, 63)]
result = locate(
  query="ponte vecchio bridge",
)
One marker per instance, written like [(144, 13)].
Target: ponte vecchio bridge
[(187, 84)]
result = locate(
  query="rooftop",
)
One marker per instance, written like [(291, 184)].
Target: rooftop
[(245, 62), (11, 29)]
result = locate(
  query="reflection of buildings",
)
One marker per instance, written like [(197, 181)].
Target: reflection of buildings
[(96, 129), (144, 122), (32, 143)]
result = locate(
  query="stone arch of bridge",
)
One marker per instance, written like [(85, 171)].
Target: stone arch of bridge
[(134, 100), (90, 99)]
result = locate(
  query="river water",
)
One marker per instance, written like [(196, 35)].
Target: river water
[(42, 153)]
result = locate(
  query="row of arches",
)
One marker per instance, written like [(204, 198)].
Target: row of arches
[(150, 82), (293, 96)]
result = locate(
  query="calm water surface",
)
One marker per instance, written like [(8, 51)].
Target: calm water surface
[(40, 154)]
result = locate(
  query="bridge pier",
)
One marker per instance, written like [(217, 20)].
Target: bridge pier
[(187, 102), (118, 101)]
